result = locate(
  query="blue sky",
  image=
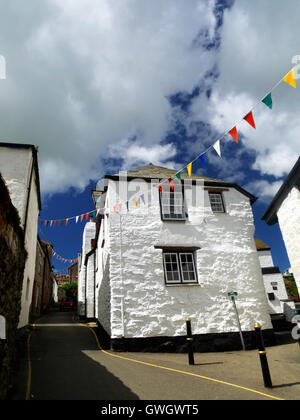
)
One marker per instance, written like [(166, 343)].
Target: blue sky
[(105, 86)]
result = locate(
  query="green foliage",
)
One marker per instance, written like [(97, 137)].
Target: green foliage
[(71, 289), (291, 286)]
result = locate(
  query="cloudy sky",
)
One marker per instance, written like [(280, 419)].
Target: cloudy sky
[(106, 85)]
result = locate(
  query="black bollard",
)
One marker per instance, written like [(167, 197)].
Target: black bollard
[(263, 356), (190, 341)]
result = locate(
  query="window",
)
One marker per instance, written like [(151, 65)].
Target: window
[(172, 203), (271, 296), (179, 267), (216, 202)]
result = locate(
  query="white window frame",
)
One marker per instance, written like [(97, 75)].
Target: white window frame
[(178, 190), (166, 271), (194, 268), (218, 194), (181, 280)]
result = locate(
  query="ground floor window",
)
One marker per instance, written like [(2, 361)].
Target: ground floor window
[(179, 267)]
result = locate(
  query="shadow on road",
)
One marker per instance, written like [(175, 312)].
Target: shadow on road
[(60, 369)]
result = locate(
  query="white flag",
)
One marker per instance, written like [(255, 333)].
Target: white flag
[(77, 219), (217, 147)]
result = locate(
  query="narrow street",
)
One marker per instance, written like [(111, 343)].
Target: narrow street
[(66, 363)]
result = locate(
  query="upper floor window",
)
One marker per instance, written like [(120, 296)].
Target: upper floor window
[(216, 202), (172, 203)]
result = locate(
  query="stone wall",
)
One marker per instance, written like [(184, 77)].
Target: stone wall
[(12, 263)]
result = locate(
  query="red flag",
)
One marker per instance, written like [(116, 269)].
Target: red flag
[(233, 133), (54, 222), (171, 184), (161, 189), (81, 218), (249, 118), (87, 215)]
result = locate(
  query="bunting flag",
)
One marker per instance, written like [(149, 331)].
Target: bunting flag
[(114, 209), (250, 120), (67, 221), (143, 198), (234, 134), (127, 205), (87, 216), (268, 101), (189, 169), (178, 175), (202, 158), (161, 189), (290, 79), (120, 207), (135, 202), (171, 184), (217, 147), (77, 218)]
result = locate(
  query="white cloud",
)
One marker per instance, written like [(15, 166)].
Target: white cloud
[(85, 74), (258, 42)]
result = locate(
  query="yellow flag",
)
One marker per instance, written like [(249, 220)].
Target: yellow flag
[(189, 169), (135, 202), (290, 78)]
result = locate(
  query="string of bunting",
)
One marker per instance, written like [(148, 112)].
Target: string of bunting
[(60, 258), (267, 100)]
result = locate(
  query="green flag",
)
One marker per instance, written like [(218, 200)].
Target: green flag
[(179, 175), (268, 100)]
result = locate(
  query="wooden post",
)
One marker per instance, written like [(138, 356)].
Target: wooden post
[(263, 356), (190, 341)]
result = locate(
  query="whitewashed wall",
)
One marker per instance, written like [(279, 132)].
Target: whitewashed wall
[(289, 222), (88, 234), (103, 276), (227, 261), (15, 167)]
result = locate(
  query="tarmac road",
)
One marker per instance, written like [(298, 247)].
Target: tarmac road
[(66, 363)]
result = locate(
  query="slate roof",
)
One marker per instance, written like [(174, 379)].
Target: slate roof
[(151, 171)]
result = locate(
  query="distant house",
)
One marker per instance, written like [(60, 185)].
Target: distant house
[(42, 294), (19, 168), (73, 272), (285, 210), (170, 254), (279, 302)]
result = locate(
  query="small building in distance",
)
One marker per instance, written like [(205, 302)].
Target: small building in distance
[(279, 302), (73, 273)]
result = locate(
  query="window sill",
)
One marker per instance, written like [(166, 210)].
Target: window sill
[(182, 285)]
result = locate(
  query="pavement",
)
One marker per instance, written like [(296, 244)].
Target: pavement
[(65, 361)]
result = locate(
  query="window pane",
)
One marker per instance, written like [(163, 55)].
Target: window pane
[(171, 267), (216, 202), (188, 269)]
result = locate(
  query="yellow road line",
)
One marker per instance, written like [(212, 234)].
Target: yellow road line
[(181, 371)]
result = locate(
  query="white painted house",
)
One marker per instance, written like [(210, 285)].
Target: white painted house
[(170, 255), (19, 168), (279, 303), (285, 210)]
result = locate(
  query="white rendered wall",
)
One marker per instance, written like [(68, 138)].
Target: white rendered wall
[(265, 259), (88, 234), (227, 261), (289, 222), (15, 167), (103, 276)]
